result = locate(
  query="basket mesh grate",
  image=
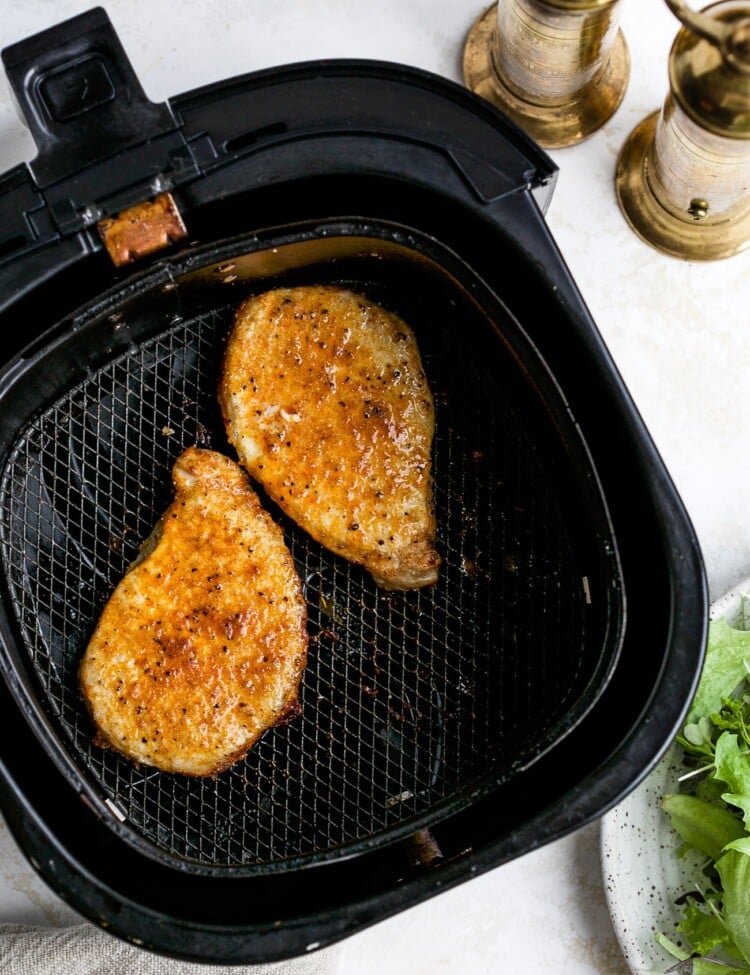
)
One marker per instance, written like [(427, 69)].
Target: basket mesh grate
[(409, 699)]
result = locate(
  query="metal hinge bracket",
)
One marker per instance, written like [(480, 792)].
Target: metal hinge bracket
[(142, 229)]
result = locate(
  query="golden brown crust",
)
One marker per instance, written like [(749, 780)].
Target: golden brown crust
[(202, 645), (326, 402)]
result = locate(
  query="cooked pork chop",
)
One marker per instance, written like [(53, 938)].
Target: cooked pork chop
[(202, 645), (327, 405)]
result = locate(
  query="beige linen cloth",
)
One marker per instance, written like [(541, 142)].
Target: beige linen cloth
[(82, 949)]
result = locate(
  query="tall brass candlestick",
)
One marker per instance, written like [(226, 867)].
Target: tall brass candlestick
[(683, 175), (558, 68)]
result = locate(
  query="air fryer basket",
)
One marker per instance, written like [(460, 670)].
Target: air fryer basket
[(413, 703), (524, 695)]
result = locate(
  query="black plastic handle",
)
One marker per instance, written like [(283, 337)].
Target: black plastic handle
[(79, 96)]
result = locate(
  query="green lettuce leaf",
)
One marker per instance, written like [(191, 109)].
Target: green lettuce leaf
[(734, 871), (704, 932), (702, 966), (724, 668), (742, 845), (703, 825), (712, 813), (689, 965), (733, 767), (734, 716), (694, 966), (711, 790), (698, 738)]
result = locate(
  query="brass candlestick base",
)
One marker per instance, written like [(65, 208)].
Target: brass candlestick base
[(694, 237), (551, 125), (683, 176)]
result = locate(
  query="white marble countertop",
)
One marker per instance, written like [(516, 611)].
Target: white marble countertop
[(677, 331)]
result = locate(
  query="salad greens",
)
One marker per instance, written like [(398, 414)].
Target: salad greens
[(711, 813)]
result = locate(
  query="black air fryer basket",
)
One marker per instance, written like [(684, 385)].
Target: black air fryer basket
[(443, 731)]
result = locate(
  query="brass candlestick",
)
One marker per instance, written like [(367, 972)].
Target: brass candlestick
[(558, 68), (683, 175)]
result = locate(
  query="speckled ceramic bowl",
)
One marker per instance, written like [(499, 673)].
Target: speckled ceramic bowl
[(643, 875)]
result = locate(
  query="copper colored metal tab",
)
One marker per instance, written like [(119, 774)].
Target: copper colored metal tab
[(142, 229), (557, 68)]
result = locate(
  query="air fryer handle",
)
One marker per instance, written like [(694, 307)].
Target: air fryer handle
[(79, 96)]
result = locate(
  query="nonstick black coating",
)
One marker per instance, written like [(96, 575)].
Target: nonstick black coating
[(413, 703)]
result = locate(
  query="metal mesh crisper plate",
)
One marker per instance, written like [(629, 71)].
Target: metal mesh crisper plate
[(409, 699)]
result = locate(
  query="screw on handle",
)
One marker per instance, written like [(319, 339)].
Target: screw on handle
[(731, 37)]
